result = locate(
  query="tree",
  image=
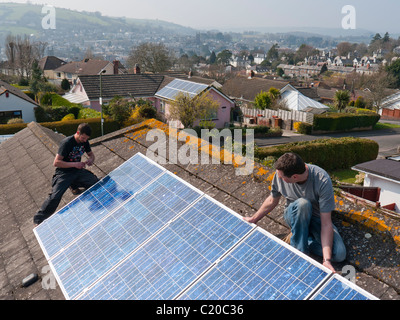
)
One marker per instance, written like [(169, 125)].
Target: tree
[(263, 101), (377, 84), (224, 56), (342, 99), (65, 85), (273, 53), (188, 109), (119, 109), (394, 70), (213, 58), (151, 57), (267, 100)]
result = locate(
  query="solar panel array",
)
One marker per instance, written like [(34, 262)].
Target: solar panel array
[(142, 233), (171, 90)]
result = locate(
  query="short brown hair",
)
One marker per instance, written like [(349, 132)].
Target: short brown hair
[(84, 128), (290, 164)]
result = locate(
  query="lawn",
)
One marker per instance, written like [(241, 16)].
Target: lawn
[(346, 176)]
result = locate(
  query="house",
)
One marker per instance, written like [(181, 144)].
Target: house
[(385, 175), (73, 70), (169, 92), (295, 100), (15, 104), (390, 107), (245, 89), (49, 64), (27, 160), (131, 86)]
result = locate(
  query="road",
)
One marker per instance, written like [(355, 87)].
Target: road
[(388, 139)]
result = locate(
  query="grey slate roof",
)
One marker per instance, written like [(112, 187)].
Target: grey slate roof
[(4, 86), (25, 177), (381, 167), (125, 85)]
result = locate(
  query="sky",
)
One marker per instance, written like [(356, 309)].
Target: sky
[(377, 16)]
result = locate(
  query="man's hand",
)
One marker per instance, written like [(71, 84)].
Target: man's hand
[(250, 220), (80, 165), (328, 265)]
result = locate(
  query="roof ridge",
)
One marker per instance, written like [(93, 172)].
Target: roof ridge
[(46, 136)]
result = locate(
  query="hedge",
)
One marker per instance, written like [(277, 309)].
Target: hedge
[(67, 128), (344, 121), (330, 154)]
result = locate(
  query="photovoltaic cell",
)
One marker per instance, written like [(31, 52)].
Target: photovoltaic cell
[(143, 233), (259, 269), (92, 206), (171, 90), (175, 257), (337, 288)]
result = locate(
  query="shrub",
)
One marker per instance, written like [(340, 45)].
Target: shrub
[(68, 117), (344, 122), (303, 127), (15, 120), (330, 154), (87, 113), (67, 128)]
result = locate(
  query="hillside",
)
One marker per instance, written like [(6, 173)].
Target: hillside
[(27, 19)]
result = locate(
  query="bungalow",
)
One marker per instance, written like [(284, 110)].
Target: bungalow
[(15, 104), (131, 86), (385, 175), (168, 93), (73, 70)]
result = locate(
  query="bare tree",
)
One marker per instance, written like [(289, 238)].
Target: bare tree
[(377, 84), (22, 53), (151, 57)]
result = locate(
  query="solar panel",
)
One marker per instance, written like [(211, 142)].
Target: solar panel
[(171, 90), (143, 233), (92, 206), (175, 257), (338, 288), (260, 268)]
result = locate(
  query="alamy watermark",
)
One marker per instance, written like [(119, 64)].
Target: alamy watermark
[(349, 20), (234, 151), (49, 20)]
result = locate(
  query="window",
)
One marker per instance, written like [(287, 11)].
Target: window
[(7, 115), (162, 106)]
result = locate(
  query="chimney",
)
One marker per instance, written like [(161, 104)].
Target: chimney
[(137, 69), (190, 74), (116, 66)]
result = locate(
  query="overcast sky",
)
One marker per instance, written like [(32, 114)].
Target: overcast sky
[(377, 16)]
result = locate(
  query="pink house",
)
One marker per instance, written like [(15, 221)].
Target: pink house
[(167, 94)]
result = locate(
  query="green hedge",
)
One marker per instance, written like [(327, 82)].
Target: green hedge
[(344, 121), (330, 154), (67, 128)]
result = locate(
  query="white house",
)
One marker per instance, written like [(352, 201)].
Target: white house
[(383, 174), (15, 104)]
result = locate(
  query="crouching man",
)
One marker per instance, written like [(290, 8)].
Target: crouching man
[(309, 204)]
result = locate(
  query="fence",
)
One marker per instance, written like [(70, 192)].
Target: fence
[(295, 116)]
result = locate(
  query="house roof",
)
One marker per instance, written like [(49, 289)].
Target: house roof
[(247, 89), (25, 180), (5, 87), (385, 168), (295, 100), (85, 67), (50, 63), (125, 85)]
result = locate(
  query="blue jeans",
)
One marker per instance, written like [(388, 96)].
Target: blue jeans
[(306, 231)]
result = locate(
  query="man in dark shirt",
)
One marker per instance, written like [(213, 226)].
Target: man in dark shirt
[(70, 170)]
